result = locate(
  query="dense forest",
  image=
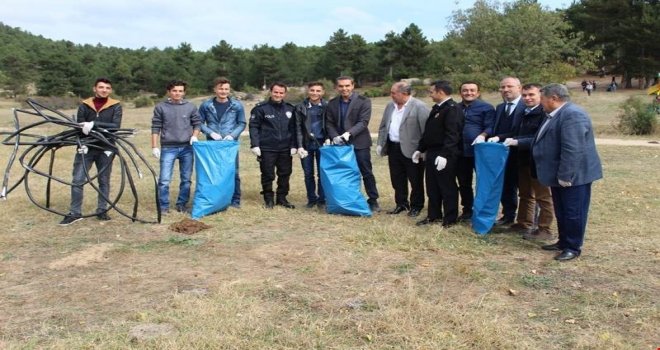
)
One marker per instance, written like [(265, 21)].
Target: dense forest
[(487, 41)]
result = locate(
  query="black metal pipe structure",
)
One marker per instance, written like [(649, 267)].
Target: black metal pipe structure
[(36, 147)]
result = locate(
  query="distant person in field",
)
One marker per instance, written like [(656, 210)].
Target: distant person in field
[(99, 111), (440, 147), (223, 119), (401, 128), (347, 121), (589, 88), (565, 158), (175, 125), (479, 118), (530, 191), (272, 140), (310, 135), (507, 120)]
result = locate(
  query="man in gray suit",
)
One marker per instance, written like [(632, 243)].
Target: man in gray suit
[(347, 120), (565, 158), (399, 133)]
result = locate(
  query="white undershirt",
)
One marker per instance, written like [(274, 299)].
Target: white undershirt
[(395, 121)]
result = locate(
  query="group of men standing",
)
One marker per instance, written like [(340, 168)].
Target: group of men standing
[(551, 164)]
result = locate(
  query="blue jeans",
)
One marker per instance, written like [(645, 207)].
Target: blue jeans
[(167, 157), (310, 180), (103, 167)]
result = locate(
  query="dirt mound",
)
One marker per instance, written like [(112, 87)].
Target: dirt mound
[(188, 226)]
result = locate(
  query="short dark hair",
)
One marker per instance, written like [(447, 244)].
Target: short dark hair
[(280, 84), (344, 77), (315, 83), (102, 80), (172, 83), (532, 85), (442, 85), (221, 81), (470, 82)]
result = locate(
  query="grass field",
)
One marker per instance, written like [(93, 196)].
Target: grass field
[(299, 279)]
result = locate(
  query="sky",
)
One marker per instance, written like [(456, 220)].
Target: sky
[(244, 23)]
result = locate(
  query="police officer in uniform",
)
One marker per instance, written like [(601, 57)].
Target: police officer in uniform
[(272, 140)]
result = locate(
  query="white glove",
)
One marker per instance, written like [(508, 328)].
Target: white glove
[(156, 152), (564, 183), (338, 140), (379, 150), (83, 149), (228, 138), (302, 153), (479, 139), (346, 136), (193, 139), (87, 127), (214, 135), (494, 139), (293, 151), (440, 163), (510, 142), (256, 151), (327, 142), (416, 156)]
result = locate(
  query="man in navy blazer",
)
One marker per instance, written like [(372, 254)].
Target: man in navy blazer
[(565, 158), (347, 120), (508, 115)]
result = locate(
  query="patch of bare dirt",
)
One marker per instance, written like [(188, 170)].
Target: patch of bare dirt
[(95, 253), (144, 332), (188, 226)]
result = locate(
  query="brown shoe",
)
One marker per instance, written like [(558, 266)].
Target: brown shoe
[(539, 235), (518, 227)]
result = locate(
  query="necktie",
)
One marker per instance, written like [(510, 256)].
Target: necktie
[(507, 110)]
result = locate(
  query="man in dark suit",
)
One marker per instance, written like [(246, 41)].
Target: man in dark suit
[(565, 158), (530, 191), (508, 115), (398, 137), (440, 147), (347, 120)]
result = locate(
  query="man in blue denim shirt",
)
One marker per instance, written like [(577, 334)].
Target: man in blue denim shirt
[(223, 118), (310, 135), (176, 125)]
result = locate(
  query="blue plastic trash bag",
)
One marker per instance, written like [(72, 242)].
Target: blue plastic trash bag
[(215, 168), (490, 161), (341, 182)]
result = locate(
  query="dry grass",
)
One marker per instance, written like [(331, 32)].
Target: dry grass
[(302, 279)]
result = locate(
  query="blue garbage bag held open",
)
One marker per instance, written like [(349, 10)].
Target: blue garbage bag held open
[(490, 161), (342, 181), (215, 169)]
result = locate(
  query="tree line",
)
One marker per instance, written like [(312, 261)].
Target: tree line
[(485, 42)]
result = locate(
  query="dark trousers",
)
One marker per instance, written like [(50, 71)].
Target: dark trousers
[(312, 178), (509, 198), (363, 157), (441, 189), (84, 162), (270, 161), (402, 172), (571, 210), (464, 174)]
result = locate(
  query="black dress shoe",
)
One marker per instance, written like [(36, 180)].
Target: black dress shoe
[(566, 255), (374, 207), (448, 224), (504, 221), (285, 203), (414, 212), (552, 247), (465, 217), (269, 204), (427, 221), (398, 209)]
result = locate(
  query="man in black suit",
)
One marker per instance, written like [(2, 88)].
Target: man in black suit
[(440, 147), (347, 120), (508, 115)]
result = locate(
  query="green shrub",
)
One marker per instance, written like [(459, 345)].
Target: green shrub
[(638, 117), (143, 101)]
